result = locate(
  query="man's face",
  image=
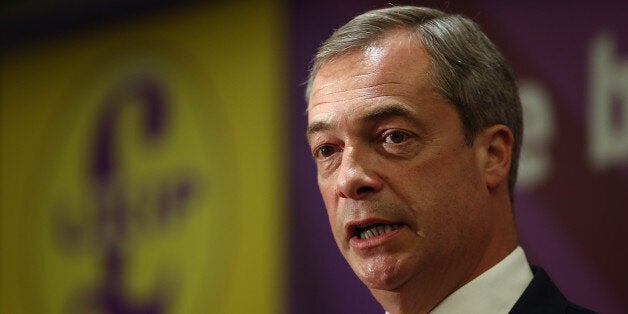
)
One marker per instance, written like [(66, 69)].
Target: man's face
[(405, 196)]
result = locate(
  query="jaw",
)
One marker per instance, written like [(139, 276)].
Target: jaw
[(381, 272), (432, 279), (385, 262), (419, 292)]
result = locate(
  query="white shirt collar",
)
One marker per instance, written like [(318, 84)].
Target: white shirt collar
[(495, 291)]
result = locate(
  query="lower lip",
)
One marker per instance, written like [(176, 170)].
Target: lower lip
[(369, 243)]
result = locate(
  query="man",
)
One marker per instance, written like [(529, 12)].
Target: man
[(414, 122)]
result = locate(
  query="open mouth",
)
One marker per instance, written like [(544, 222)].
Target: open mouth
[(375, 230)]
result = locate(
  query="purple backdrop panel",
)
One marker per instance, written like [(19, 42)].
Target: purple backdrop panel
[(571, 62)]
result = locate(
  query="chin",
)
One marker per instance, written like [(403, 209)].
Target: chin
[(385, 282), (380, 275)]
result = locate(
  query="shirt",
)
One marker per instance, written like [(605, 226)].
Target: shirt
[(494, 291)]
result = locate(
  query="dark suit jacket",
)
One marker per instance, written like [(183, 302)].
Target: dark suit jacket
[(543, 297)]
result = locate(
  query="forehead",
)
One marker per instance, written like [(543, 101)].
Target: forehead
[(393, 68)]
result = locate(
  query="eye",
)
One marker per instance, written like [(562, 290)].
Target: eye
[(324, 151), (395, 137)]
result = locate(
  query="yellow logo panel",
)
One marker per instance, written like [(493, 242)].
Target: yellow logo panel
[(139, 196), (152, 180)]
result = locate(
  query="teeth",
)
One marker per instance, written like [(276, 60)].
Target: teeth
[(377, 230), (370, 233)]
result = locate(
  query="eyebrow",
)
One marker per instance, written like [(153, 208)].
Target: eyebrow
[(379, 113), (317, 127)]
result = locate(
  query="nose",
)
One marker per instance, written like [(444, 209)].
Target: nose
[(356, 176)]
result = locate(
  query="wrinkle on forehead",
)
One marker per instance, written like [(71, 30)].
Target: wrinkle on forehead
[(356, 77), (371, 91), (361, 74), (387, 66), (366, 83)]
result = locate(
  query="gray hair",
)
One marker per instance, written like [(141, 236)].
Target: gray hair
[(466, 67)]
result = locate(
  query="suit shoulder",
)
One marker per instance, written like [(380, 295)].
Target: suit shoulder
[(577, 309), (542, 296)]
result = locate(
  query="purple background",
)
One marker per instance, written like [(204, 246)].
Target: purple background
[(572, 225)]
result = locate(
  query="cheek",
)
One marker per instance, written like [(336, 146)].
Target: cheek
[(454, 174), (456, 209), (328, 194), (441, 191), (330, 201)]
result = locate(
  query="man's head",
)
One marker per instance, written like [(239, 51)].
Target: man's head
[(414, 141), (466, 68)]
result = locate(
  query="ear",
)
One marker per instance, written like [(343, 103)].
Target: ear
[(495, 143)]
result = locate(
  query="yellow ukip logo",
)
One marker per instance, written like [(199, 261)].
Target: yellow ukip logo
[(138, 198)]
